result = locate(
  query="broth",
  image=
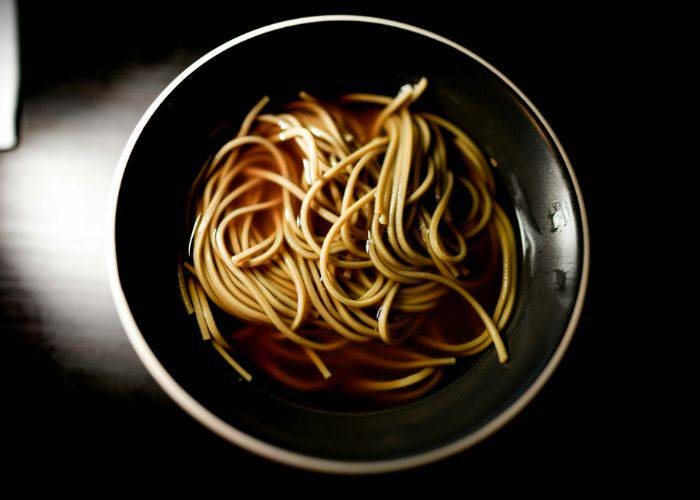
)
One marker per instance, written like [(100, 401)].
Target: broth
[(452, 318)]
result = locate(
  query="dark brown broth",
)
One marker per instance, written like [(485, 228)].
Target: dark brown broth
[(453, 318)]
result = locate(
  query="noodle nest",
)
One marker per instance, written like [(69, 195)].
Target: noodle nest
[(332, 230)]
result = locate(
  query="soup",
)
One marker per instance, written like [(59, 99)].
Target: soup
[(349, 250)]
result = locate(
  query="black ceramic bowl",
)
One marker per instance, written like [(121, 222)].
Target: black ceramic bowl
[(351, 54)]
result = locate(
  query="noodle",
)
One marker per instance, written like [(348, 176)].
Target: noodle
[(334, 227)]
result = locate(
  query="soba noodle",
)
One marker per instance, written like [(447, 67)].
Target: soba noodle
[(333, 230)]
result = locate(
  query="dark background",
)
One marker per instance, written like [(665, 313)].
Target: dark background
[(74, 395)]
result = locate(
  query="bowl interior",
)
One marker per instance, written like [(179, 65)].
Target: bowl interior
[(326, 59)]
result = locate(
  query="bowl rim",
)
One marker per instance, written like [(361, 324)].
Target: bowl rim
[(258, 446)]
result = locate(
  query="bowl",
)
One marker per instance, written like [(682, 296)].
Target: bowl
[(350, 53)]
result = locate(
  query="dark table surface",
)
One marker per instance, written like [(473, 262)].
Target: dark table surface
[(71, 383)]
